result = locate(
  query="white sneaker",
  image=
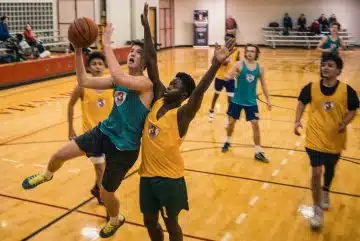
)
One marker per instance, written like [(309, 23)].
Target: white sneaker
[(325, 200), (317, 220), (211, 115)]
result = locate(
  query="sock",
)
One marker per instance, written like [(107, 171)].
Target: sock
[(48, 175), (258, 149), (115, 220), (228, 139)]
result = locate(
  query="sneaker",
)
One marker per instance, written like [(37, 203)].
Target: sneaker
[(109, 229), (325, 200), (211, 115), (96, 193), (317, 220), (226, 146), (261, 157), (34, 180)]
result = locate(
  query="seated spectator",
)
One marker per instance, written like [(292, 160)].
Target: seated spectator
[(302, 23), (30, 36), (315, 27), (287, 21), (332, 19), (4, 30), (25, 47), (324, 23)]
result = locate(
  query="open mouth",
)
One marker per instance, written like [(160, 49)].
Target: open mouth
[(131, 61)]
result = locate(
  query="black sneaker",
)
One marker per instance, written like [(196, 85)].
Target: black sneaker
[(260, 157), (109, 230), (226, 146), (96, 193)]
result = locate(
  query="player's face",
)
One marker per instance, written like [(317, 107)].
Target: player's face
[(329, 69), (250, 53), (334, 29), (136, 57), (175, 91), (96, 67)]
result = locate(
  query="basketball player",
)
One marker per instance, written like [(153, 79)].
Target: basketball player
[(220, 83), (118, 137), (332, 43), (247, 73), (333, 106), (162, 183), (96, 106)]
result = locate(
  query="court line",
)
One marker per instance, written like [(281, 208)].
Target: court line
[(266, 181), (36, 131), (66, 214)]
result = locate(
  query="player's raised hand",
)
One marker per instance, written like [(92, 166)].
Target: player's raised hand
[(222, 53), (144, 15)]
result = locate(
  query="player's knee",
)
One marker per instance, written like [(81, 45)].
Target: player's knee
[(316, 173), (105, 194), (151, 221)]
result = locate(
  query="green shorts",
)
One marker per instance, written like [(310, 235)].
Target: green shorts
[(167, 195)]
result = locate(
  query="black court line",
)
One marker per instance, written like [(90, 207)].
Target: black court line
[(263, 181), (345, 158), (285, 96), (37, 131), (66, 214), (281, 107), (143, 226)]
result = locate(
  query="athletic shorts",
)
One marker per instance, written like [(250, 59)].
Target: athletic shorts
[(95, 143), (229, 86), (318, 158), (251, 112), (167, 195)]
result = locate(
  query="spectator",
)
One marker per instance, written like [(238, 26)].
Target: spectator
[(287, 21), (315, 27), (332, 19), (4, 30), (30, 36), (324, 23), (302, 23), (24, 46)]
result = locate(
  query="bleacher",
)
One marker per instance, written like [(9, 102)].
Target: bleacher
[(274, 37)]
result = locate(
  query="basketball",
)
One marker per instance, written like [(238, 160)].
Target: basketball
[(83, 32)]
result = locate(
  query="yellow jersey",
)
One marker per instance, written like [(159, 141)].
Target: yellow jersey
[(224, 69), (161, 145), (325, 116), (96, 106)]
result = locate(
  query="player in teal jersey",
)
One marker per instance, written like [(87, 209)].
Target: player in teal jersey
[(246, 74), (118, 137), (332, 43)]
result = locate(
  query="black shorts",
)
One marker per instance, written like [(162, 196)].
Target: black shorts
[(251, 112), (167, 195), (95, 143), (318, 158), (229, 85)]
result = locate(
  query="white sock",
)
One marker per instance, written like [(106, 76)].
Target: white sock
[(228, 139), (115, 220), (258, 149), (48, 174)]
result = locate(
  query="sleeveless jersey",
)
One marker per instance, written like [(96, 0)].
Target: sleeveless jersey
[(325, 115), (161, 145), (245, 91), (126, 121), (96, 107)]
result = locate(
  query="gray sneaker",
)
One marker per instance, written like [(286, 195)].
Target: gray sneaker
[(317, 220), (325, 200)]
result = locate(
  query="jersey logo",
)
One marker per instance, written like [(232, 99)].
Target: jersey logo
[(100, 103), (250, 78), (119, 97), (328, 105), (153, 130)]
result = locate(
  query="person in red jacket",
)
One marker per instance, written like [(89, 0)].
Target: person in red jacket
[(30, 36)]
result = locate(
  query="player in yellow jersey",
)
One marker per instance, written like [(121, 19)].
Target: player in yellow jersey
[(333, 106), (95, 106), (162, 183), (220, 82)]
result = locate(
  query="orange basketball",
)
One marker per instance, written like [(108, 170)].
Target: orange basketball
[(83, 32)]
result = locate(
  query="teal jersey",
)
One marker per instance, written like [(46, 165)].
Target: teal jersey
[(126, 121), (245, 91), (332, 44)]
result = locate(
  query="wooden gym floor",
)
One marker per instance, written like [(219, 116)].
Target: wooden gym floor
[(231, 196)]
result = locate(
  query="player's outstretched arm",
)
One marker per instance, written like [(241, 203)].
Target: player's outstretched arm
[(151, 58), (188, 111)]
